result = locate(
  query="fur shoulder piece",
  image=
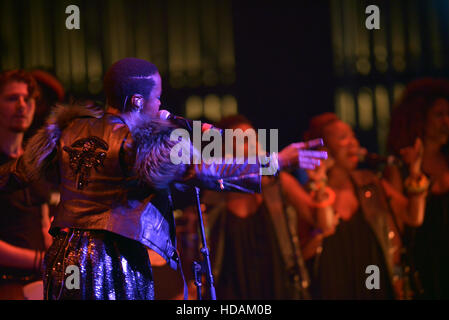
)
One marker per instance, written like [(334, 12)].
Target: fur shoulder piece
[(153, 146), (43, 143)]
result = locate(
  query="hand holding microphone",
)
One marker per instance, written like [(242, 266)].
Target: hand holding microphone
[(374, 160), (185, 123)]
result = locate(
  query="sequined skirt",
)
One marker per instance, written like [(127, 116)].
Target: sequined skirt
[(97, 265)]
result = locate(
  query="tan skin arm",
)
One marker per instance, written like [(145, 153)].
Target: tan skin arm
[(46, 223), (299, 198), (394, 178), (16, 257), (408, 209), (326, 219)]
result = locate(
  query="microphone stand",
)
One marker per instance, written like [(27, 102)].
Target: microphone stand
[(203, 267)]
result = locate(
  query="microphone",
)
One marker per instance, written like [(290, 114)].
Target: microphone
[(374, 159), (185, 123)]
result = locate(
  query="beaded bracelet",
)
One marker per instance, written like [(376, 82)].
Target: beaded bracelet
[(417, 185), (317, 185)]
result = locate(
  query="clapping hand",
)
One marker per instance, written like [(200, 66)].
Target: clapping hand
[(413, 156)]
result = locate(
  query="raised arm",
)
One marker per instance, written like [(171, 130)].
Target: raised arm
[(322, 198), (408, 199), (234, 176), (408, 208), (163, 158)]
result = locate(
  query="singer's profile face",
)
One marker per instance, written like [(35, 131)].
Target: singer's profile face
[(153, 102), (342, 144), (437, 122)]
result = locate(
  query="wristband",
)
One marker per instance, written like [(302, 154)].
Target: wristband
[(419, 185), (315, 185)]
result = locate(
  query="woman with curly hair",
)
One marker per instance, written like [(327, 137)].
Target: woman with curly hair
[(423, 112)]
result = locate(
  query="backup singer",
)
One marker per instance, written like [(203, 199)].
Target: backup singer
[(255, 253), (367, 208), (115, 171), (423, 112)]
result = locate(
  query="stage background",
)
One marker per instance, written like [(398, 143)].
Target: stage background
[(277, 62)]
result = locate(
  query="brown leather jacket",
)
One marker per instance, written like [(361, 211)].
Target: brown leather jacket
[(105, 171)]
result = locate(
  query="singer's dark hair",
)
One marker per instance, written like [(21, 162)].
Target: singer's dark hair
[(409, 115), (127, 77)]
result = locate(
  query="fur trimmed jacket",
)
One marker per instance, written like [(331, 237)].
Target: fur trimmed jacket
[(114, 175)]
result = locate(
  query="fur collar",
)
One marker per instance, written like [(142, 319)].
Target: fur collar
[(153, 146), (42, 144), (151, 139)]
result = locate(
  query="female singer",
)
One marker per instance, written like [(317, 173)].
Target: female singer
[(366, 237), (115, 171), (423, 112), (254, 241)]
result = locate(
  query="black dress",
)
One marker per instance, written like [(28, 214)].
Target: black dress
[(343, 261), (431, 248), (252, 265)]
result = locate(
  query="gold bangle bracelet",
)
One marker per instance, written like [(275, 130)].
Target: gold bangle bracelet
[(418, 185)]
